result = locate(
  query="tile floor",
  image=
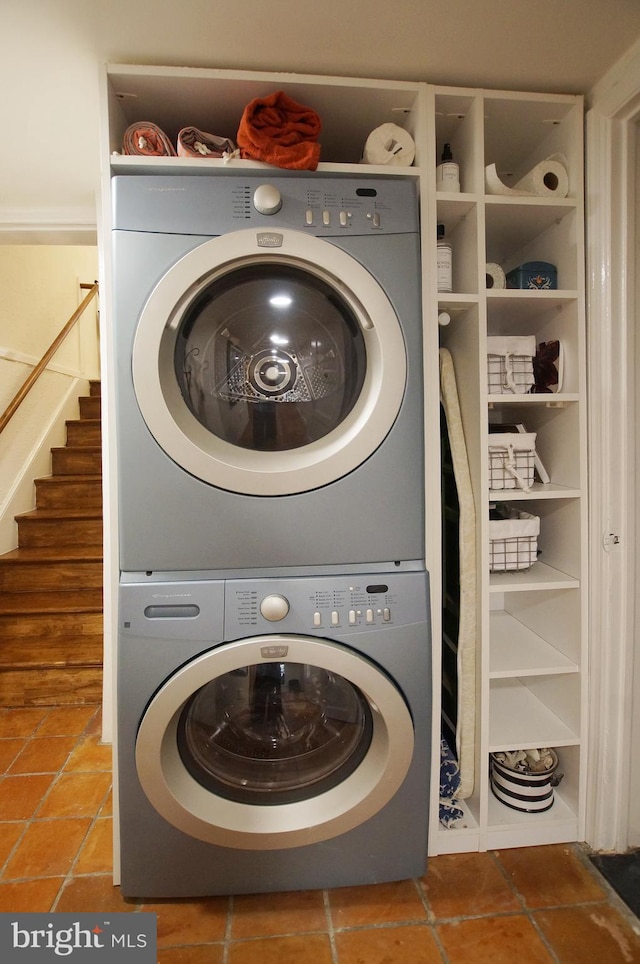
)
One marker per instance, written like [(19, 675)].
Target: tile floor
[(530, 906)]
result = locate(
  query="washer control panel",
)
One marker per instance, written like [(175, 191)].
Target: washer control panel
[(214, 610), (324, 605)]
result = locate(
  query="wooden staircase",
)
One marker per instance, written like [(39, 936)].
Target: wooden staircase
[(51, 585)]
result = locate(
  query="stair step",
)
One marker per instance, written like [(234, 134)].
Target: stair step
[(83, 432), (95, 387), (53, 554), (80, 460), (30, 602), (90, 406), (64, 686), (51, 652), (18, 574), (51, 527), (51, 602), (50, 624), (67, 491)]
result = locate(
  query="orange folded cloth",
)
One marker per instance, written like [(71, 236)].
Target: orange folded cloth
[(278, 131), (195, 143), (147, 139)]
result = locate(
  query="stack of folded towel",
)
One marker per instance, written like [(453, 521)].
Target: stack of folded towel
[(273, 129), (147, 139)]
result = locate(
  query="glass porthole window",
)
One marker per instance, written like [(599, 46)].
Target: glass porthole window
[(269, 370), (274, 733), (269, 358)]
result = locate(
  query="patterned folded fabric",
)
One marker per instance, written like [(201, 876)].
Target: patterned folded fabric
[(195, 143), (279, 131), (449, 811), (147, 139)]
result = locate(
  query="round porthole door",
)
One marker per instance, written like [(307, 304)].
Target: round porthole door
[(269, 363), (274, 742)]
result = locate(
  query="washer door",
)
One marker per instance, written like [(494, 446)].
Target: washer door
[(269, 363), (274, 742)]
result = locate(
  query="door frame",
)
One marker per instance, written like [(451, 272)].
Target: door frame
[(611, 195)]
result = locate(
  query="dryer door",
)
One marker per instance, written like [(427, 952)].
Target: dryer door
[(274, 742), (269, 363)]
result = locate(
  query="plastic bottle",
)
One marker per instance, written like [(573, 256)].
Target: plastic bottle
[(448, 172), (444, 260)]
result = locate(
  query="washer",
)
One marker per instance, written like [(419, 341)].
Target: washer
[(269, 373), (273, 733)]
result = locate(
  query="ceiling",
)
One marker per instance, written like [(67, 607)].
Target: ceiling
[(51, 52)]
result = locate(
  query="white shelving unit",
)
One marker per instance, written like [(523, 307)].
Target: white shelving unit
[(531, 628), (213, 100), (532, 659)]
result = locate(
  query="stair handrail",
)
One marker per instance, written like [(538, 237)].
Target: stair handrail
[(37, 371)]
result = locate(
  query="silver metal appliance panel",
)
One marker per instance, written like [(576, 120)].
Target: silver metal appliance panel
[(160, 861), (170, 520), (218, 205)]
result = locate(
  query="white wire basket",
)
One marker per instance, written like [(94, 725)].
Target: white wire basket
[(513, 541), (512, 460), (510, 364)]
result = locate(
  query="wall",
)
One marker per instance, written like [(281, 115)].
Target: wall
[(40, 290)]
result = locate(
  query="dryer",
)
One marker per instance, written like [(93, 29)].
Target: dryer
[(269, 372), (274, 734)]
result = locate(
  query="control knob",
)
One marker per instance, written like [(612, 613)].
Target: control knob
[(274, 607), (267, 199)]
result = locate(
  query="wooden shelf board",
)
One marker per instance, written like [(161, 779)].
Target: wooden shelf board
[(517, 651), (539, 490), (539, 577), (518, 719)]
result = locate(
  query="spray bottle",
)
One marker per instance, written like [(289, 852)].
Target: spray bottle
[(448, 173)]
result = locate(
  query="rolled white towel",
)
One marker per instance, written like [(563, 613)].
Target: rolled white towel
[(389, 144)]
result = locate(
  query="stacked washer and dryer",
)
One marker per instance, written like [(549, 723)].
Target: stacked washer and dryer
[(274, 650)]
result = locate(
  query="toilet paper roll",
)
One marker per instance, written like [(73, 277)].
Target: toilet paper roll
[(549, 178), (495, 276), (389, 144)]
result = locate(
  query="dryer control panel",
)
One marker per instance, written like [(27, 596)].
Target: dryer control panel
[(216, 205)]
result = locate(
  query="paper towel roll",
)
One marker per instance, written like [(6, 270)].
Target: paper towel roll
[(549, 178), (389, 144), (495, 276)]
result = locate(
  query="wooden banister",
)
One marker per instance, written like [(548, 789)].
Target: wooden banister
[(34, 375)]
